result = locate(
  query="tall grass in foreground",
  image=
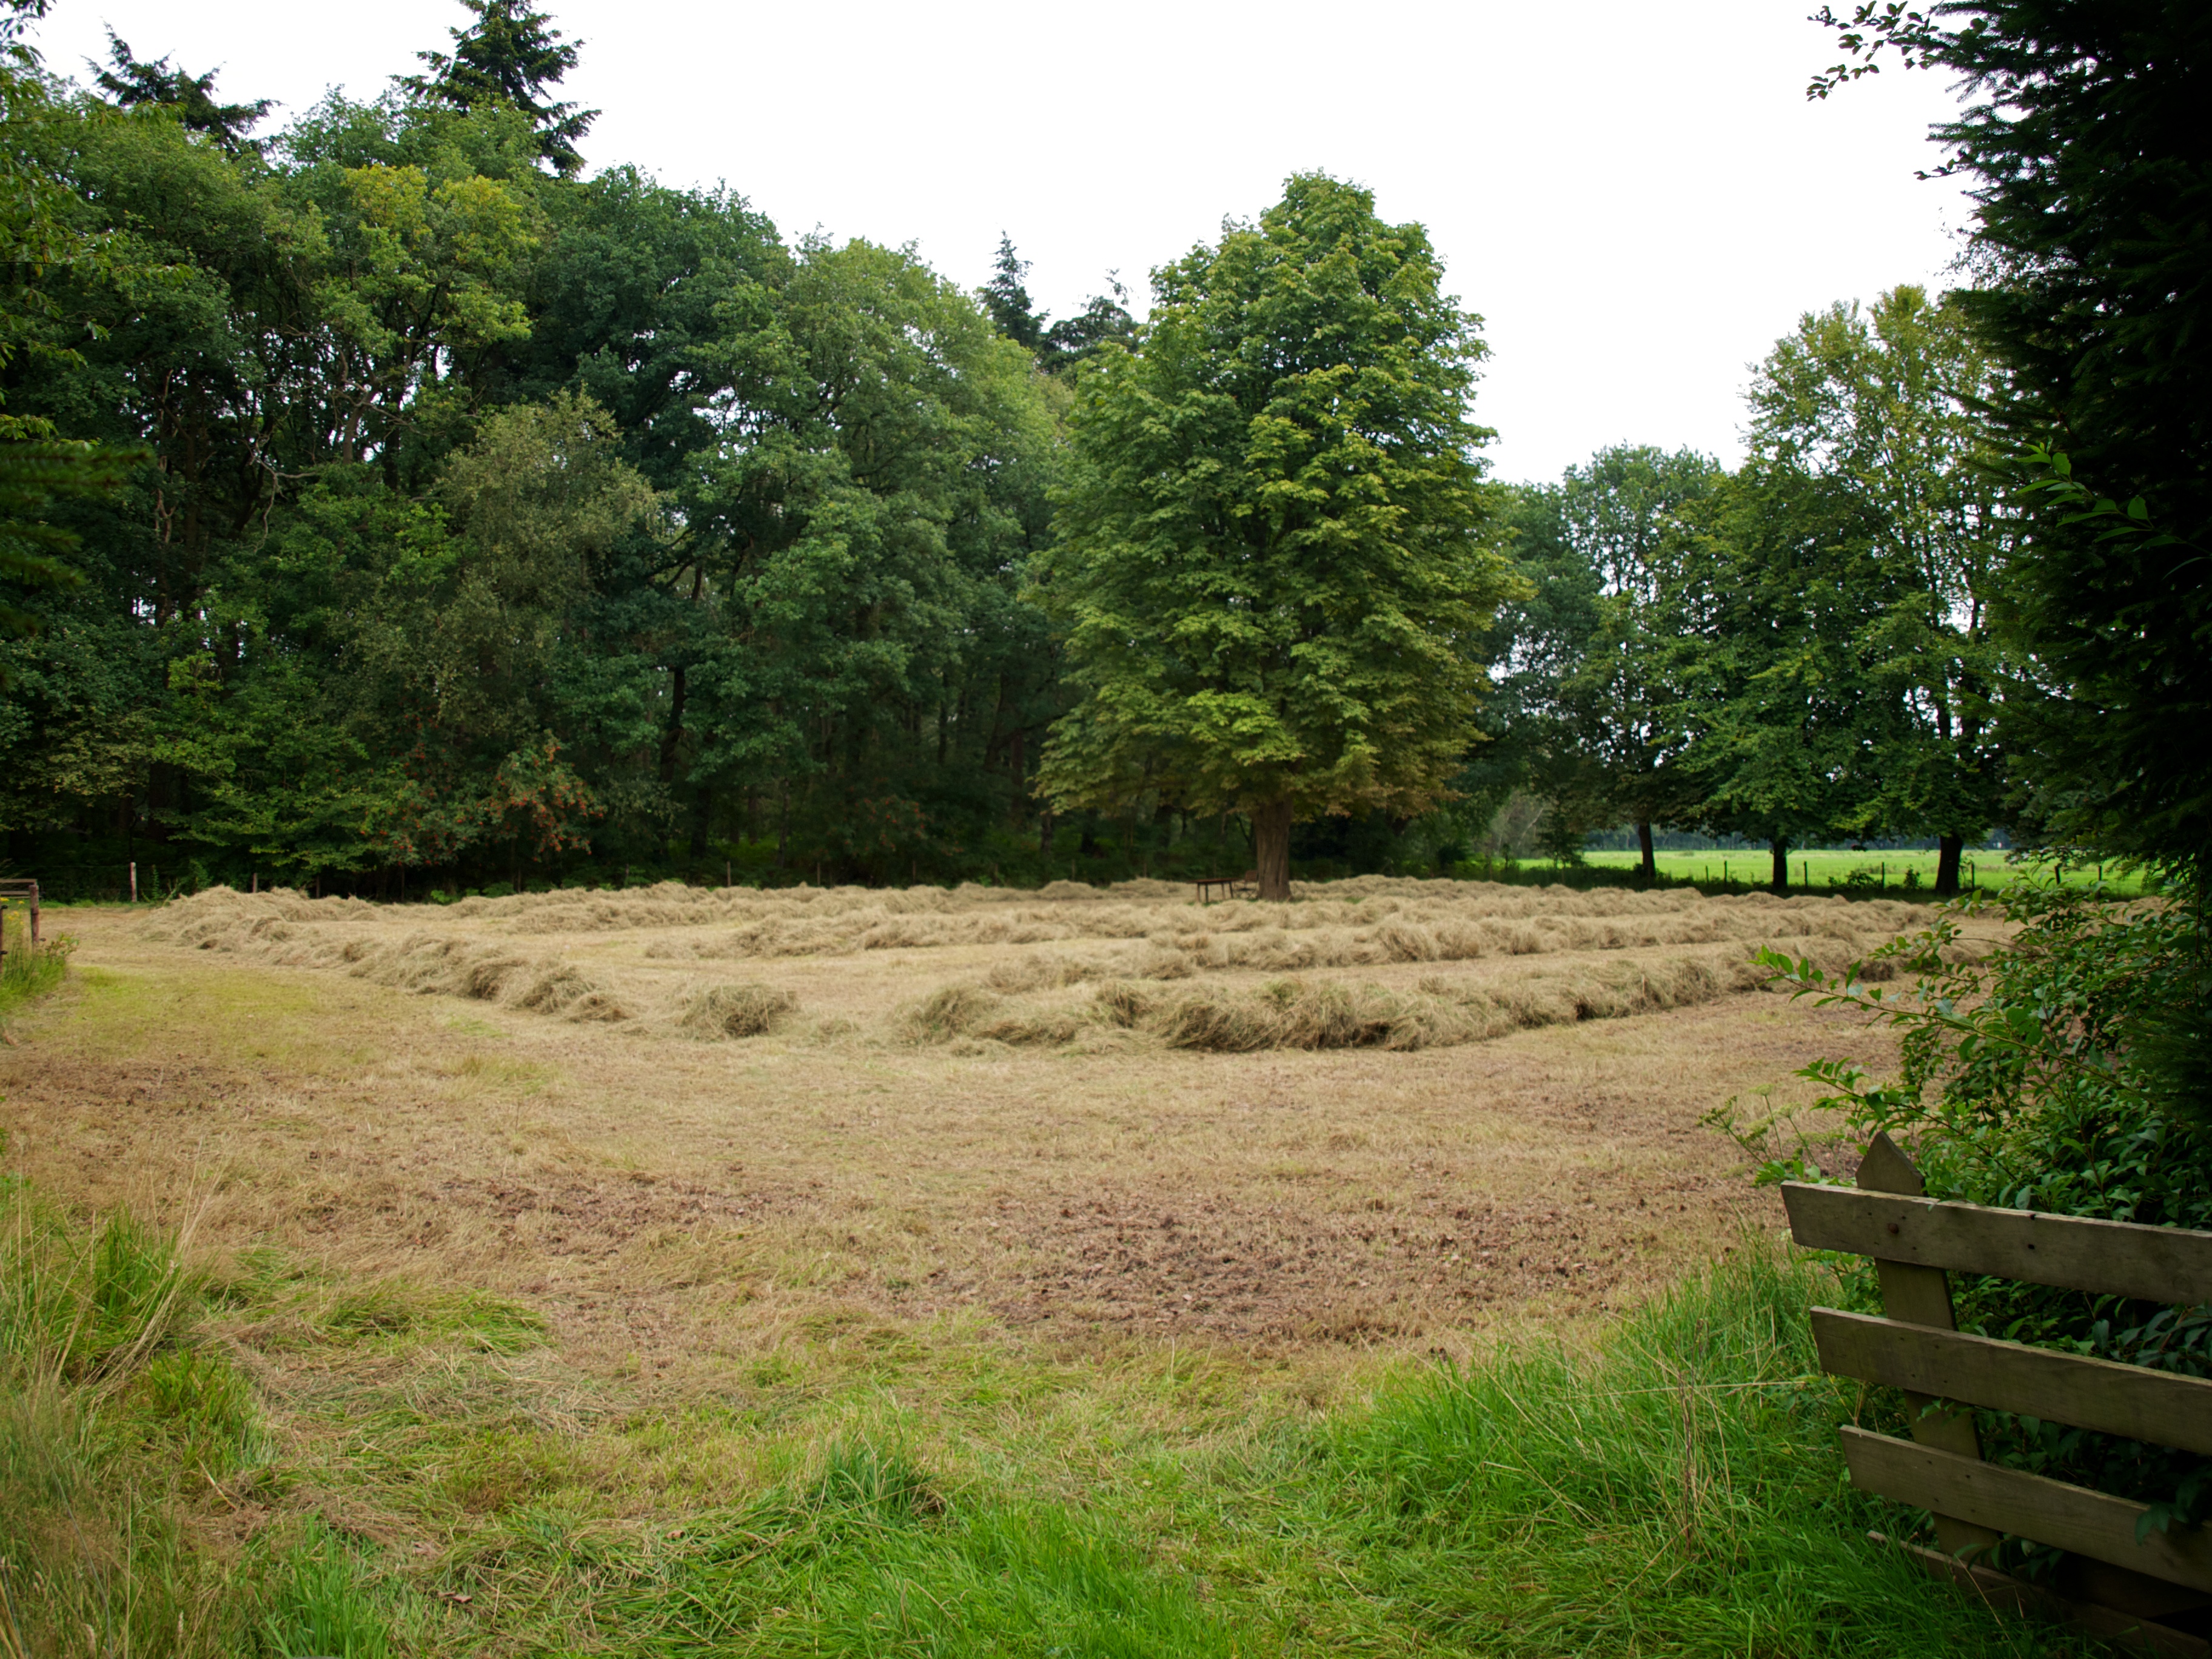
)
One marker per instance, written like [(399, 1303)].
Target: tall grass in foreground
[(26, 971), (115, 1425), (1678, 1491), (89, 1561)]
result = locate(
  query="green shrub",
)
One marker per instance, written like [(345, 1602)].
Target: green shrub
[(2065, 1073)]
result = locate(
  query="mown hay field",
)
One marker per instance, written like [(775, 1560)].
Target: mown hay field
[(689, 1124), (539, 1244)]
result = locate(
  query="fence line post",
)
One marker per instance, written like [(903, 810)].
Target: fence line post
[(1921, 1296), (134, 881)]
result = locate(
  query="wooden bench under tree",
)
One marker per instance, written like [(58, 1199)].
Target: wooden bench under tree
[(1245, 886), (2122, 1578)]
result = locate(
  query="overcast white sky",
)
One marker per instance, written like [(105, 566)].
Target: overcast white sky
[(1637, 197)]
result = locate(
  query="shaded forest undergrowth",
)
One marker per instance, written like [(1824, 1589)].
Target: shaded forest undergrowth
[(436, 1484)]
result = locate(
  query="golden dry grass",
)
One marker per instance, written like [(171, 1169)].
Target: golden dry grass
[(588, 1217), (1069, 966), (690, 1128)]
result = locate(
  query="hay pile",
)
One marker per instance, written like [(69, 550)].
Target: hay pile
[(1333, 1013), (291, 931), (1070, 964), (1368, 921)]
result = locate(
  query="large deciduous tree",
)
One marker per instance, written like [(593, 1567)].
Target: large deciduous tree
[(1783, 716), (1275, 579), (1885, 405), (1590, 704)]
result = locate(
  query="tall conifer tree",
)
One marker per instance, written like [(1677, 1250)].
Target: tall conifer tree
[(510, 55)]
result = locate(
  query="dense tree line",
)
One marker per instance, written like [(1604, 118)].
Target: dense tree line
[(1799, 651), (392, 497), (480, 517)]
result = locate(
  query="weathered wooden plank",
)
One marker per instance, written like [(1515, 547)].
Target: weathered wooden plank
[(2006, 1376), (1921, 1296), (2027, 1505), (2075, 1253), (2002, 1590)]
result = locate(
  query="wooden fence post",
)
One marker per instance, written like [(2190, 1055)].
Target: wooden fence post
[(1921, 1296)]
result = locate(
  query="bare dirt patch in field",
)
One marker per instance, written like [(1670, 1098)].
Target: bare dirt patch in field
[(673, 1194)]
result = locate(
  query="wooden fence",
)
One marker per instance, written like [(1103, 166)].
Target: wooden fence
[(23, 891), (2155, 1589)]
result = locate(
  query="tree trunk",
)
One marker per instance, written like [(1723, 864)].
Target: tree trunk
[(702, 814), (1948, 849), (670, 737), (1271, 841), (1781, 865), (1644, 842)]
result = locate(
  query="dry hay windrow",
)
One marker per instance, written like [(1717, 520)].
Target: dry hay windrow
[(1069, 965), (1330, 1013)]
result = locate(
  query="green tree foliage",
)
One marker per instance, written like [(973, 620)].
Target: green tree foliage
[(43, 242), (1104, 320), (1885, 406), (497, 519), (1273, 580), (2083, 133), (1059, 347), (1830, 643), (510, 55), (1586, 698), (870, 533), (1008, 301), (132, 84), (1783, 717), (36, 474)]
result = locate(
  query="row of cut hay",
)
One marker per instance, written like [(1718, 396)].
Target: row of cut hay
[(1016, 1004), (1303, 1013), (1368, 920), (429, 964), (277, 927), (1320, 934), (1170, 954), (222, 918), (432, 965)]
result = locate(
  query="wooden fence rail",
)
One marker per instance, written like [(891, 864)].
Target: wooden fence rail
[(25, 892), (2142, 1583)]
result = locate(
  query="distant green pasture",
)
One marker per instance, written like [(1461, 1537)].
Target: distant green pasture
[(1824, 868)]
